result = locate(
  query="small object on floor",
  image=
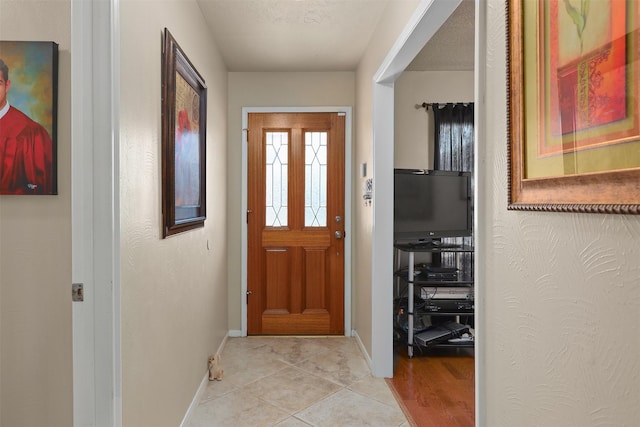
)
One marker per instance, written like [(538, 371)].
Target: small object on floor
[(215, 367)]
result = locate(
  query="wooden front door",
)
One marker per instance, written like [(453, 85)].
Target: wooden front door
[(295, 217)]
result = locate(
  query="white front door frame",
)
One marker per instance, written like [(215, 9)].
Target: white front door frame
[(347, 204)]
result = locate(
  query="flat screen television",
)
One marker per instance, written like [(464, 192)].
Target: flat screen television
[(431, 204)]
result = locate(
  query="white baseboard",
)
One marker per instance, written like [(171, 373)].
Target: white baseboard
[(203, 385), (367, 358), (234, 333), (196, 400), (222, 344)]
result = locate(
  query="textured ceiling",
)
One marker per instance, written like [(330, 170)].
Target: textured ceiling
[(316, 35), (452, 47)]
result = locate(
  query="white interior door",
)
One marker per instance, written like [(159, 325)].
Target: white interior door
[(96, 355)]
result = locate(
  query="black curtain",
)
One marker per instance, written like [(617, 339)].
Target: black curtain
[(454, 137), (453, 149)]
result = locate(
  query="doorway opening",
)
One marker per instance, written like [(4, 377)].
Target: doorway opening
[(422, 26)]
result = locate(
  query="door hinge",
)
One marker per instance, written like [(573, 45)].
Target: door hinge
[(248, 293), (77, 292)]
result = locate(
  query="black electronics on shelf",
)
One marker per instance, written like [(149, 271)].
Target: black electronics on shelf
[(440, 296), (430, 207), (438, 334)]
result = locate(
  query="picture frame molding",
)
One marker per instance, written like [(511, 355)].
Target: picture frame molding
[(616, 192), (175, 62)]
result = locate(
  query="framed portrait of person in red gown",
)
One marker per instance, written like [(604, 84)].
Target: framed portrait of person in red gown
[(28, 117)]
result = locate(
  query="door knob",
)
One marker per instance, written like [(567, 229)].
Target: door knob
[(338, 234)]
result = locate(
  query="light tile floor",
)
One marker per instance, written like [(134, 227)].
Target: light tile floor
[(296, 382)]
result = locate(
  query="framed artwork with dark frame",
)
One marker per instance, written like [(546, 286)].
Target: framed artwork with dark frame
[(184, 114), (574, 105), (28, 117)]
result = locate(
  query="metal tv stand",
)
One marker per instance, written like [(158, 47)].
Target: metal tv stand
[(463, 280)]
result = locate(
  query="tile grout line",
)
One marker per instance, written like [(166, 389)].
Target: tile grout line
[(277, 355)]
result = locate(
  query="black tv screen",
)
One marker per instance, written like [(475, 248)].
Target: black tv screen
[(431, 204)]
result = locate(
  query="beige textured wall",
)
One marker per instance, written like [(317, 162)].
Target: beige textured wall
[(561, 292), (36, 387), (268, 90), (174, 293), (391, 25), (414, 130)]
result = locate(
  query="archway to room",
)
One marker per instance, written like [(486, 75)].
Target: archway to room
[(427, 19)]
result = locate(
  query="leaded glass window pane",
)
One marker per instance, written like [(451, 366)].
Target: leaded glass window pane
[(277, 169), (315, 177)]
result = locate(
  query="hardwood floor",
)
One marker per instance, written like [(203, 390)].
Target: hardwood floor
[(436, 388)]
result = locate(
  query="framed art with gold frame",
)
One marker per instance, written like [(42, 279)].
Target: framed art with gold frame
[(574, 105)]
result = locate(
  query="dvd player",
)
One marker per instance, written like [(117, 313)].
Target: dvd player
[(442, 269), (453, 276), (439, 333), (446, 292), (449, 306)]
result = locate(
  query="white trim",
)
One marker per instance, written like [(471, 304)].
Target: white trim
[(84, 386), (115, 185), (222, 344), (423, 24), (479, 203), (348, 208), (382, 232), (243, 227), (201, 389), (95, 218), (235, 333), (426, 20), (196, 400), (363, 349)]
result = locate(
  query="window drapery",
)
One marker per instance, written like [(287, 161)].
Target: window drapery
[(453, 151), (454, 137)]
